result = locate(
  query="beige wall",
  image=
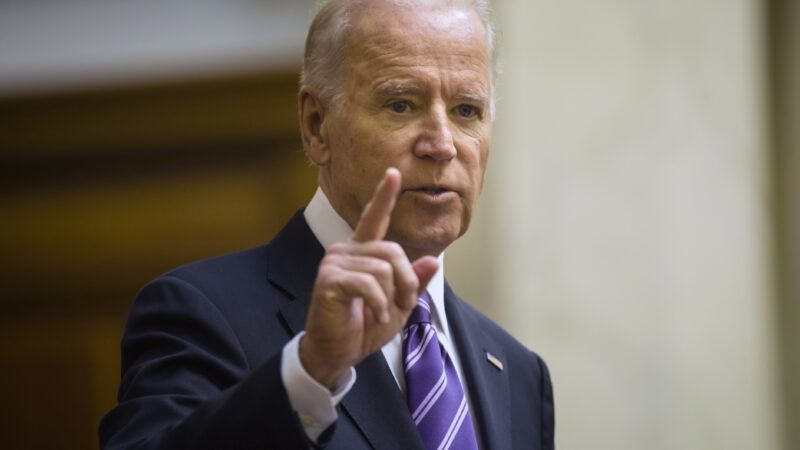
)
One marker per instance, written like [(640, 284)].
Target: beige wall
[(625, 225)]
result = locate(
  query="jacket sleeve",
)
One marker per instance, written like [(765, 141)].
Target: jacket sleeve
[(186, 383), (548, 408)]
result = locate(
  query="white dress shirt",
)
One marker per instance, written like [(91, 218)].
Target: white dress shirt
[(314, 403)]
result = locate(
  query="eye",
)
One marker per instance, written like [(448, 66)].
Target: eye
[(399, 106), (466, 111)]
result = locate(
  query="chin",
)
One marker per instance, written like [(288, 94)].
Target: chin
[(425, 230), (425, 239)]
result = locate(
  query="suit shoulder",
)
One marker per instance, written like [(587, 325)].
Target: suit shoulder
[(488, 325), (497, 332), (243, 263), (224, 280)]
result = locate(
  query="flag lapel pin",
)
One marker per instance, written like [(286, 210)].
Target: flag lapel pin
[(494, 361)]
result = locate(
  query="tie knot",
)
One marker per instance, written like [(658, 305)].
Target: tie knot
[(422, 312)]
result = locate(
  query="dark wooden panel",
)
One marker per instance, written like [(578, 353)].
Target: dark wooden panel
[(96, 243), (50, 408), (58, 375), (235, 108), (100, 192), (103, 190)]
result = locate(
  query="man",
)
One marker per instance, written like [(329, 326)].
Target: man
[(341, 332)]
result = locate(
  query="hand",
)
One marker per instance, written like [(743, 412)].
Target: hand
[(364, 292)]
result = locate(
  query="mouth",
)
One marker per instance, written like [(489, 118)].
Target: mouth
[(434, 192)]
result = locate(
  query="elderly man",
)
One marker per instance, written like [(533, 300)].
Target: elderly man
[(342, 332)]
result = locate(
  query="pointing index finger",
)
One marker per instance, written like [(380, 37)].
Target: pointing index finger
[(375, 218)]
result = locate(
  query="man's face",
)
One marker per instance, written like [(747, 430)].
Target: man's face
[(416, 97)]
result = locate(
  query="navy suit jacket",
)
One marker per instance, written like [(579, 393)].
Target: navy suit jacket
[(201, 358)]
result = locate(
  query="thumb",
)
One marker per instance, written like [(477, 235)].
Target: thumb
[(425, 268)]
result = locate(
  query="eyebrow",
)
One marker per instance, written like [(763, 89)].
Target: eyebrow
[(398, 89), (389, 90), (478, 98)]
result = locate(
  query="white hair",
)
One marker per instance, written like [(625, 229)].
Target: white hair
[(327, 40)]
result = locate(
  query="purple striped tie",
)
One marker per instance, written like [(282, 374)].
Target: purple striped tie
[(435, 398)]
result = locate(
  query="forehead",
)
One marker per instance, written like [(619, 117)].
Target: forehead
[(409, 39)]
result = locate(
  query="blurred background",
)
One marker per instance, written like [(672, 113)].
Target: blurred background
[(640, 227)]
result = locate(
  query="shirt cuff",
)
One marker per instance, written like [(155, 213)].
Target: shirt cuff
[(313, 402)]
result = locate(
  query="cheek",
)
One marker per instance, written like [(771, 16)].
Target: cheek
[(475, 162), (389, 149), (484, 163)]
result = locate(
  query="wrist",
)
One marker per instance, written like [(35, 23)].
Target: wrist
[(319, 367)]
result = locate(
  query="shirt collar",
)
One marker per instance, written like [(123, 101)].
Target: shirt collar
[(329, 228)]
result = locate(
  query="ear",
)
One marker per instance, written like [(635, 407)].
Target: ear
[(312, 126)]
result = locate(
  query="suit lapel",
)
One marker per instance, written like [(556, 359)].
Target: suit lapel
[(294, 256), (374, 404), (487, 385), (379, 409)]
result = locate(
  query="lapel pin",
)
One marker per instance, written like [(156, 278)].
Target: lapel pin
[(494, 361)]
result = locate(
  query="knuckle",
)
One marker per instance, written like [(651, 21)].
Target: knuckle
[(391, 250), (335, 278), (328, 261), (338, 248), (326, 269), (384, 268), (363, 280), (396, 249)]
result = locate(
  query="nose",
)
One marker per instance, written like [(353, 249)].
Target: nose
[(436, 139)]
